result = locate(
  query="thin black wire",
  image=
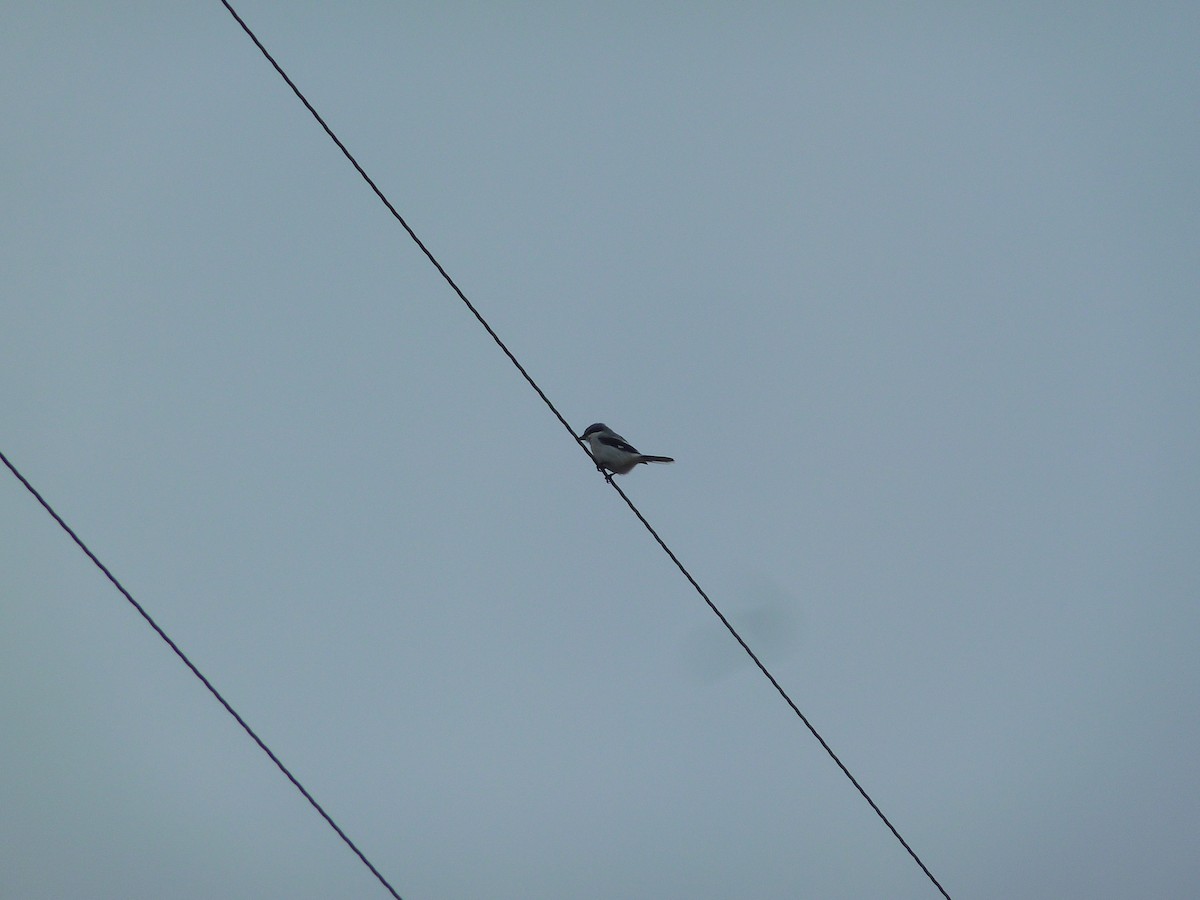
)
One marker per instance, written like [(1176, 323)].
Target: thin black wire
[(399, 218), (187, 662), (533, 384), (782, 693)]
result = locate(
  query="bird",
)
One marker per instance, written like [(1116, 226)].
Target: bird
[(613, 454)]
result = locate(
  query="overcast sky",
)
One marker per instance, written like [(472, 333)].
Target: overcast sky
[(911, 294)]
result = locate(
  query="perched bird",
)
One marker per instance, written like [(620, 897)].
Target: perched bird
[(613, 454)]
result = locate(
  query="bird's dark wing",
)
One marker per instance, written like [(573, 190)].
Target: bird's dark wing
[(617, 442)]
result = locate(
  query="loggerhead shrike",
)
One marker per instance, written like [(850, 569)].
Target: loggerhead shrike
[(613, 454)]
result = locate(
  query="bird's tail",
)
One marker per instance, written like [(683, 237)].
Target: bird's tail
[(663, 459)]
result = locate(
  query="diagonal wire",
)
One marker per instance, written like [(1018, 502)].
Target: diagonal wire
[(782, 693), (187, 662), (395, 213), (545, 399)]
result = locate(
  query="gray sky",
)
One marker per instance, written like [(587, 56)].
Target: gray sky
[(911, 295)]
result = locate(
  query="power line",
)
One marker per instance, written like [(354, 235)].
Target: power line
[(784, 694), (195, 671), (533, 384), (399, 218)]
